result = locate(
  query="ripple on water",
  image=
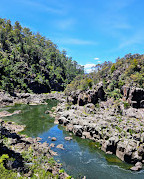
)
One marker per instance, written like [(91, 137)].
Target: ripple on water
[(80, 157)]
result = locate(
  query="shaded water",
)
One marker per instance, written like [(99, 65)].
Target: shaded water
[(80, 157)]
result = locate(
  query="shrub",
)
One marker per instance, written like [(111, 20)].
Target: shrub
[(113, 68), (126, 105)]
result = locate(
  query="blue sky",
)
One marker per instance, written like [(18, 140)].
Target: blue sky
[(91, 31)]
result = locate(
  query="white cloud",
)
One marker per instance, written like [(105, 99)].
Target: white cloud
[(96, 58), (88, 67), (89, 70)]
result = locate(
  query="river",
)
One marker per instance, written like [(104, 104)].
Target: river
[(80, 157)]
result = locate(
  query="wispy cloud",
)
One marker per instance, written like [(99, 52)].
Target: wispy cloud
[(137, 38), (65, 24), (40, 6), (97, 60), (75, 41)]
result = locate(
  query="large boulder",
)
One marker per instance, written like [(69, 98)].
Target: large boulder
[(89, 96), (136, 97), (78, 130), (110, 145)]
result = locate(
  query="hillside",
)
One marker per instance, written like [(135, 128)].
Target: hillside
[(127, 71), (30, 62)]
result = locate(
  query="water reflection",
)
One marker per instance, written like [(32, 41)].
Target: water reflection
[(80, 157)]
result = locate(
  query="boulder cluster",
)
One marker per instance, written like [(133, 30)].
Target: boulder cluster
[(27, 151), (118, 130), (27, 98)]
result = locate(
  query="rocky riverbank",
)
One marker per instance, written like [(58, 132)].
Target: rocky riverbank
[(27, 98), (115, 129), (23, 156)]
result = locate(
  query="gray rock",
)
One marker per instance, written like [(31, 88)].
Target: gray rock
[(68, 138), (77, 130), (137, 167), (60, 146), (53, 139)]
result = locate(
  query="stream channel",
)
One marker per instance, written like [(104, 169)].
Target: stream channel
[(80, 157)]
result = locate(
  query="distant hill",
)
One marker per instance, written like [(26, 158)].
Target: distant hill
[(32, 63), (128, 71)]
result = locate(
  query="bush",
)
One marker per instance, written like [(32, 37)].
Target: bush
[(126, 105), (113, 68)]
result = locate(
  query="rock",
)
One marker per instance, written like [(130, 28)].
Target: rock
[(52, 145), (53, 153), (110, 145), (7, 100), (142, 104), (90, 96), (60, 146), (77, 130), (135, 157), (121, 148), (53, 139), (56, 122), (89, 108), (137, 167), (38, 139), (22, 95), (136, 97), (68, 138), (69, 127), (17, 112), (86, 135), (141, 150), (47, 112), (125, 91)]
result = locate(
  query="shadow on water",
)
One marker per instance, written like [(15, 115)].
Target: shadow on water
[(80, 157), (33, 116)]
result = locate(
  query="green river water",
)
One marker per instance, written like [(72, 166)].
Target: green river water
[(80, 157)]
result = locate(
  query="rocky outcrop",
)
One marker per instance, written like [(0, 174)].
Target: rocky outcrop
[(134, 96), (35, 152), (122, 135), (85, 97), (27, 98)]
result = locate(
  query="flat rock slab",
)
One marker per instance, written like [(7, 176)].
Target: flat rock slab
[(60, 146), (68, 138), (6, 113)]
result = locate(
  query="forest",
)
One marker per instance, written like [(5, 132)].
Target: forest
[(29, 62), (128, 71)]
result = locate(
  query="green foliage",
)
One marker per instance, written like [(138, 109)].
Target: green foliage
[(61, 171), (69, 177), (131, 131), (85, 84), (115, 94), (119, 129), (31, 63), (128, 71), (126, 105), (3, 158), (113, 68)]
